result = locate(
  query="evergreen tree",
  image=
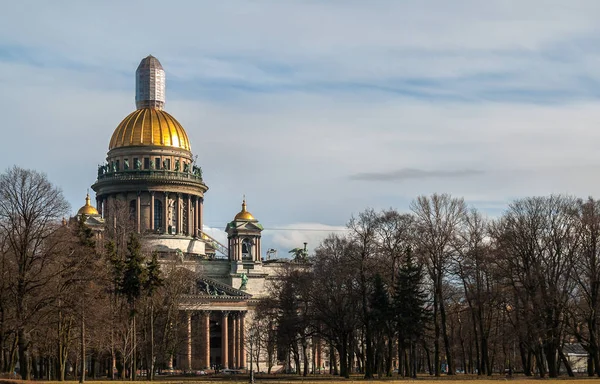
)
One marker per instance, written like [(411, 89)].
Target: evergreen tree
[(410, 300), (134, 273), (132, 283), (380, 315), (87, 246), (152, 283)]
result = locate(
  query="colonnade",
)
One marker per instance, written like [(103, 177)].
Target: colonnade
[(232, 353), (180, 211)]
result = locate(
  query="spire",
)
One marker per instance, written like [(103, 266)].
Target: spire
[(150, 84), (244, 214)]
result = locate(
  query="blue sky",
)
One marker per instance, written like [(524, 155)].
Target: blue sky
[(316, 110)]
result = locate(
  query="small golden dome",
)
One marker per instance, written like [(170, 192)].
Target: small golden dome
[(150, 126), (244, 214), (87, 209)]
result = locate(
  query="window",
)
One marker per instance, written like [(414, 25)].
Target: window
[(118, 166), (247, 249), (146, 162), (158, 214), (157, 163)]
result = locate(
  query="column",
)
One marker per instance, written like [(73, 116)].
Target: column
[(179, 223), (234, 341), (200, 213), (206, 339), (166, 213), (99, 205), (196, 215), (138, 215), (242, 341), (224, 341), (152, 211), (189, 340), (257, 248), (190, 222)]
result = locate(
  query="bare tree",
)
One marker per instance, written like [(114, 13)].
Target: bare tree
[(539, 238), (30, 212), (363, 232), (335, 294), (474, 267), (438, 220), (585, 306)]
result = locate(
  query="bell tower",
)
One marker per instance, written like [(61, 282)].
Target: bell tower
[(243, 234)]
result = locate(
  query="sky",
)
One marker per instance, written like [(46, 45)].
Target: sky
[(316, 110)]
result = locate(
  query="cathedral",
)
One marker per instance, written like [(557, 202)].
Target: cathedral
[(151, 173)]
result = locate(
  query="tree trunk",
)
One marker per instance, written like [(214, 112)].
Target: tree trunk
[(134, 350), (82, 378), (428, 355), (436, 337), (525, 358), (449, 361), (341, 350), (413, 359), (305, 357), (390, 356), (152, 358), (550, 351), (24, 355)]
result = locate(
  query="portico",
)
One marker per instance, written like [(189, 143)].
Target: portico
[(214, 318)]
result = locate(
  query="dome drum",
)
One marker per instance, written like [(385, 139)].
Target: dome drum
[(150, 180), (126, 159)]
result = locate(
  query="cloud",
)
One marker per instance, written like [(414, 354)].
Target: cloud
[(411, 173), (287, 237), (216, 233), (283, 100)]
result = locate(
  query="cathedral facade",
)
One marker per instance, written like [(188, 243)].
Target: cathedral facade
[(151, 173)]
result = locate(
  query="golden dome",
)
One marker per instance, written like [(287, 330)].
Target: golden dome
[(244, 215), (87, 209), (150, 126)]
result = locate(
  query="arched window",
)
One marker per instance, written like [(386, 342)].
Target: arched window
[(158, 214), (246, 249)]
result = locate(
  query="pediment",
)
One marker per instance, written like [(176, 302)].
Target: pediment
[(246, 226), (209, 288)]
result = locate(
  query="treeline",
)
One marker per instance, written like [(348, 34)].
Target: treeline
[(69, 297), (443, 288)]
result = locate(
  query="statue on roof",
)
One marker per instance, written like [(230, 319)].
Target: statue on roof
[(244, 282)]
